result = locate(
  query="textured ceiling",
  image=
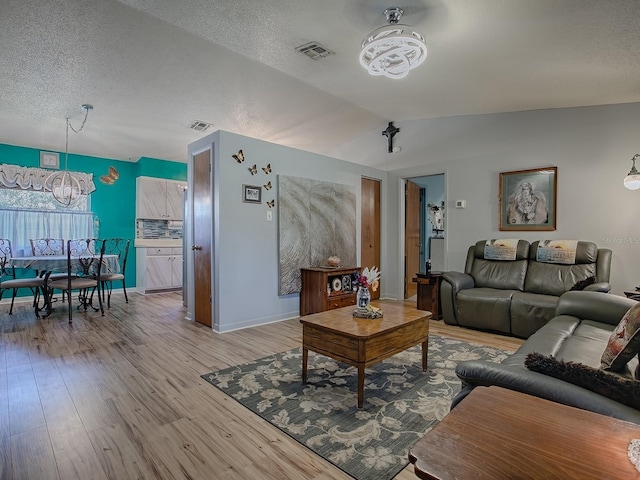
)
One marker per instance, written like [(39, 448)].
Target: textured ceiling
[(151, 67)]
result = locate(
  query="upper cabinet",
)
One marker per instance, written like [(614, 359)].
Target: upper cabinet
[(159, 199)]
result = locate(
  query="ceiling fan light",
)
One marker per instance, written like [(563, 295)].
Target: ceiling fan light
[(394, 49)]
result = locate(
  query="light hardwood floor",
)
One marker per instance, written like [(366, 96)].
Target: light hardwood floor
[(120, 397)]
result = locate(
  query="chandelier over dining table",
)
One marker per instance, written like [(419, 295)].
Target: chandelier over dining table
[(65, 187)]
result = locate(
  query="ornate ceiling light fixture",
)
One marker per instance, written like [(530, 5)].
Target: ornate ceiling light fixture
[(394, 49), (65, 187)]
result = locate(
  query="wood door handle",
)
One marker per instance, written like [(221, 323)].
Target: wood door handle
[(196, 247)]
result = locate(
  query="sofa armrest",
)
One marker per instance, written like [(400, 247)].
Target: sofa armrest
[(458, 280), (598, 287), (477, 373), (598, 306), (452, 283)]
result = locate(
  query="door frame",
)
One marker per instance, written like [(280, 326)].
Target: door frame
[(402, 180)]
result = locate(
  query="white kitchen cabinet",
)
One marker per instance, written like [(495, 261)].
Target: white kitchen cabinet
[(157, 198), (159, 268)]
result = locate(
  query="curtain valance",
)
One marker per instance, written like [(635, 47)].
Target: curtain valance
[(26, 178)]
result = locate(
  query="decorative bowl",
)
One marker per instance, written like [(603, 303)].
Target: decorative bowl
[(333, 261)]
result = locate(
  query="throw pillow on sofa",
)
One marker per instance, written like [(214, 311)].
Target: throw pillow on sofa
[(610, 385), (624, 342)]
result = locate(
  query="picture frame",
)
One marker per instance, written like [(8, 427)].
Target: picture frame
[(527, 199), (251, 194), (50, 160)]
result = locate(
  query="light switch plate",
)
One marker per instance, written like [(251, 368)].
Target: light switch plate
[(269, 216)]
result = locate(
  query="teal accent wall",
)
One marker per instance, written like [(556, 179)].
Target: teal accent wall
[(153, 167), (115, 205)]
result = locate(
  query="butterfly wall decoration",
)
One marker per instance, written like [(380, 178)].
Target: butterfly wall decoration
[(271, 203), (253, 169), (267, 186), (111, 178), (239, 157), (267, 169)]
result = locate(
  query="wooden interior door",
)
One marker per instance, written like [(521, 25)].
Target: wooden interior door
[(370, 226), (411, 237), (202, 234)]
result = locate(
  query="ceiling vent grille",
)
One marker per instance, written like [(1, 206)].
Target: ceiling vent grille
[(314, 50), (200, 126)]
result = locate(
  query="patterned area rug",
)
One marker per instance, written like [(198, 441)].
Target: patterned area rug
[(401, 402)]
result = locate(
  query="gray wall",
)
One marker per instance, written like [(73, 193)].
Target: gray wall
[(591, 146), (245, 244)]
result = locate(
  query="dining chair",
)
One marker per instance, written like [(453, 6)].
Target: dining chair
[(119, 247), (8, 280), (47, 246), (84, 264)]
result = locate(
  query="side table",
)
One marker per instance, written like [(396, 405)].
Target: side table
[(633, 294), (429, 294), (495, 433)]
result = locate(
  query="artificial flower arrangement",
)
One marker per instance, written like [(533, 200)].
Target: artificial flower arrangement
[(369, 278)]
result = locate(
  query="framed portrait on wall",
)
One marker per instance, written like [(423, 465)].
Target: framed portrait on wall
[(251, 194), (527, 200)]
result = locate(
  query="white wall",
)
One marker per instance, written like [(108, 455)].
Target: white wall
[(245, 281), (591, 146)]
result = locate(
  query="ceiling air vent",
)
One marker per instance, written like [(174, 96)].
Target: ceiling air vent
[(200, 126), (314, 50)]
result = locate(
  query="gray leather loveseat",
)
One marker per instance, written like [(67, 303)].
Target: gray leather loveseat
[(579, 333), (518, 296)]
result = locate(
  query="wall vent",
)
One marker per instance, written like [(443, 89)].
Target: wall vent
[(314, 50), (200, 126)]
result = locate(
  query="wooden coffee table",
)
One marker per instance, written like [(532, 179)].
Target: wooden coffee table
[(362, 342), (496, 433)]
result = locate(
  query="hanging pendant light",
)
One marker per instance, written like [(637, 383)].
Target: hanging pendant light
[(394, 49), (65, 187), (632, 180)]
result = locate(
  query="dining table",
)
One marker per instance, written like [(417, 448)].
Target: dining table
[(48, 264)]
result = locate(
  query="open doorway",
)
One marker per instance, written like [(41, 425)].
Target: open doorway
[(424, 227)]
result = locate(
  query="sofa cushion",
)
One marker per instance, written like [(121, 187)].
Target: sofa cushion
[(555, 279), (498, 274), (530, 311), (624, 342), (616, 387), (585, 344), (485, 308)]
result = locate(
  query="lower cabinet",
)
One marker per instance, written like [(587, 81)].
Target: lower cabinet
[(159, 269)]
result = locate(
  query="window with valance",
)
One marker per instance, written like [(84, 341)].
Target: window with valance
[(29, 210)]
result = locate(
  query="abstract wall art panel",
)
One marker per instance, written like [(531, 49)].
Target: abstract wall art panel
[(315, 220)]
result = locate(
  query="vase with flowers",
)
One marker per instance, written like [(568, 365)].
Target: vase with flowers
[(368, 278)]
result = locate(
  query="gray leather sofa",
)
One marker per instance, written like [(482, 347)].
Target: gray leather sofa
[(517, 297), (578, 333)]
